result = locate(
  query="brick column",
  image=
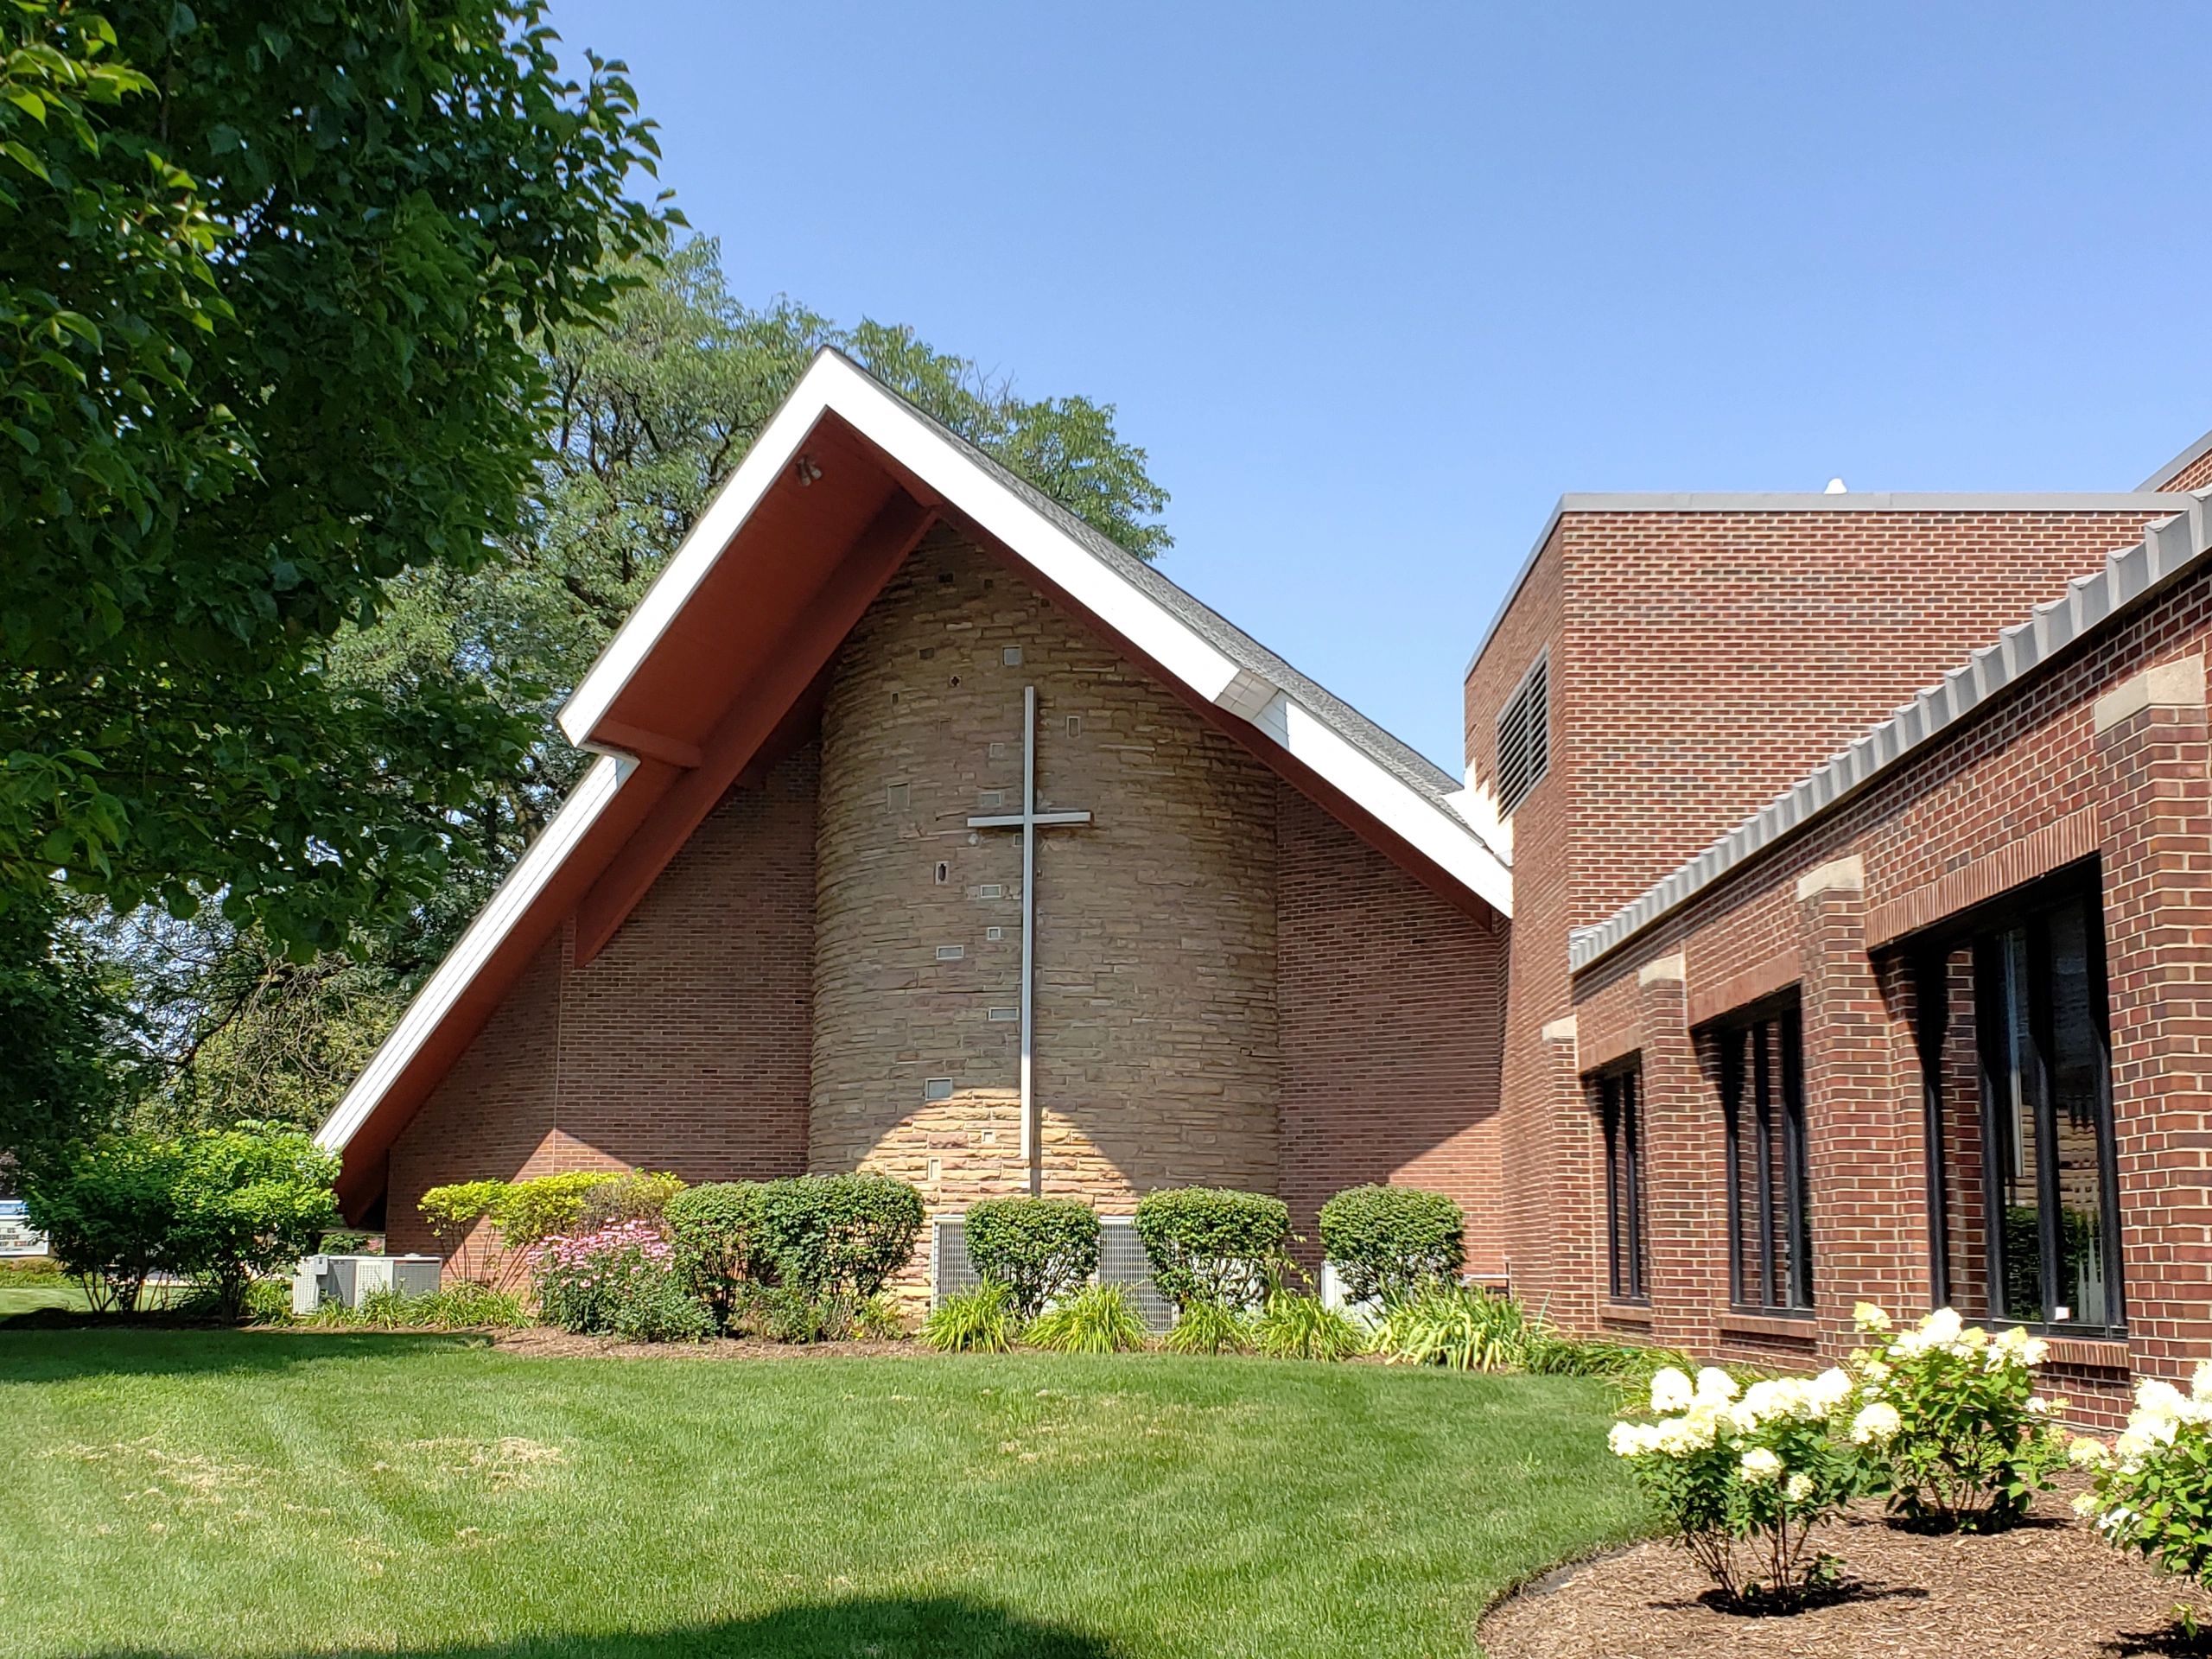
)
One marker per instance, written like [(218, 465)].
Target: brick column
[(1683, 1153), (2155, 839), (1866, 1187), (1575, 1262)]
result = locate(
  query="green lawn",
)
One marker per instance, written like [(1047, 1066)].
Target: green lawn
[(173, 1493)]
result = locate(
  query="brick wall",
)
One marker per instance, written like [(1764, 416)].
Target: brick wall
[(1701, 662), (2033, 787), (2193, 476), (682, 1045), (1158, 1059), (1392, 1005)]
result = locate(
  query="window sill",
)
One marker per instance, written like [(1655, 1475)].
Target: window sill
[(1626, 1313), (1786, 1327), (2089, 1353)]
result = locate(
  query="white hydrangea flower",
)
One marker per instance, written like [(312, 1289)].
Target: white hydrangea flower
[(1798, 1489), (1713, 1383), (1940, 1329), (1629, 1439), (1829, 1389), (1869, 1316), (2157, 1400), (2085, 1504), (2085, 1453), (2034, 1351), (1760, 1466), (1876, 1424), (1671, 1390)]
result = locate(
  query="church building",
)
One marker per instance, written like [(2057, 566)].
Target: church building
[(1825, 914)]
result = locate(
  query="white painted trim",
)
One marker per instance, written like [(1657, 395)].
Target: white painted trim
[(466, 960)]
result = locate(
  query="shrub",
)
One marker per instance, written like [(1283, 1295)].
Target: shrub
[(2152, 1489), (1293, 1326), (584, 1278), (635, 1197), (269, 1301), (1097, 1320), (786, 1314), (1972, 1443), (1742, 1479), (518, 1216), (1039, 1249), (710, 1226), (222, 1207), (1209, 1328), (109, 1211), (250, 1202), (828, 1236), (653, 1305), (981, 1321), (1389, 1242), (1212, 1245), (878, 1319), (1458, 1326), (344, 1241)]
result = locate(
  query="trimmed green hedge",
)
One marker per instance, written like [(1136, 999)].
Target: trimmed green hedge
[(834, 1235), (1389, 1242), (1212, 1245), (711, 1228), (1041, 1250)]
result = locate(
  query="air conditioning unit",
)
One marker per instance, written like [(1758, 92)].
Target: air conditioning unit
[(346, 1279)]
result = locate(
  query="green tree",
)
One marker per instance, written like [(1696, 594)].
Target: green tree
[(270, 280)]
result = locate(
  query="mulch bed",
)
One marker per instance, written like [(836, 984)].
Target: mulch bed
[(2047, 1589), (538, 1344)]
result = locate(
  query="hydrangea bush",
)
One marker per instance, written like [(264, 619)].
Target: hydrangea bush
[(1742, 1476), (1973, 1442), (2152, 1489)]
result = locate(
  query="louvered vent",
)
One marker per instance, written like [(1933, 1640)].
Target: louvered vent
[(1524, 736), (1122, 1262), (951, 1272)]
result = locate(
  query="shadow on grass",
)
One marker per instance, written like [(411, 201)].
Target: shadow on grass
[(937, 1628), (34, 1352)]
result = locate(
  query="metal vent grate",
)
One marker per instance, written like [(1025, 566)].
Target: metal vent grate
[(1524, 735), (951, 1271), (1122, 1262)]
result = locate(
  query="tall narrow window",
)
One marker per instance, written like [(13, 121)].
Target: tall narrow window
[(2012, 1036), (1769, 1225), (1621, 1108), (1524, 738)]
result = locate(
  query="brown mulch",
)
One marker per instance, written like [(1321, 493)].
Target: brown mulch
[(2047, 1589), (536, 1344)]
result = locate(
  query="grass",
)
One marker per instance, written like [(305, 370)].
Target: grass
[(186, 1492)]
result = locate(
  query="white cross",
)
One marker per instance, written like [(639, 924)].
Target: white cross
[(1029, 821)]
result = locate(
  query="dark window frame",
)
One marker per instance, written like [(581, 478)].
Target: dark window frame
[(2028, 909), (1619, 1091), (1523, 733), (1776, 1100)]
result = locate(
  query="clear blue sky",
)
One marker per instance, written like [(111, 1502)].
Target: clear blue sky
[(1374, 284)]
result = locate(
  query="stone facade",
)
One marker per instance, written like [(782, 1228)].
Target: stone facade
[(1158, 1060)]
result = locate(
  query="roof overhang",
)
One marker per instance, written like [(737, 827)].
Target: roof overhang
[(716, 675)]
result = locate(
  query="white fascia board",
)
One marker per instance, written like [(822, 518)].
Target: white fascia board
[(1438, 834), (485, 935), (832, 384)]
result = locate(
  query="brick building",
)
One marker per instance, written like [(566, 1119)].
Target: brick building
[(935, 836), (1850, 950)]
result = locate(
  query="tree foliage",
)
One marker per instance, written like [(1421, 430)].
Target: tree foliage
[(269, 286)]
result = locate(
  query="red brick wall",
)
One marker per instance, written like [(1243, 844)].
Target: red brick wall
[(1701, 662), (2197, 475), (684, 1044), (1391, 1004), (2026, 789)]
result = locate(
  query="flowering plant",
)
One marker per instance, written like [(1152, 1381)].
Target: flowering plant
[(2152, 1490), (1742, 1476), (619, 1280), (1969, 1442)]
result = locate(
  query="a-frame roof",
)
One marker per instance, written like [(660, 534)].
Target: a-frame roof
[(712, 675)]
